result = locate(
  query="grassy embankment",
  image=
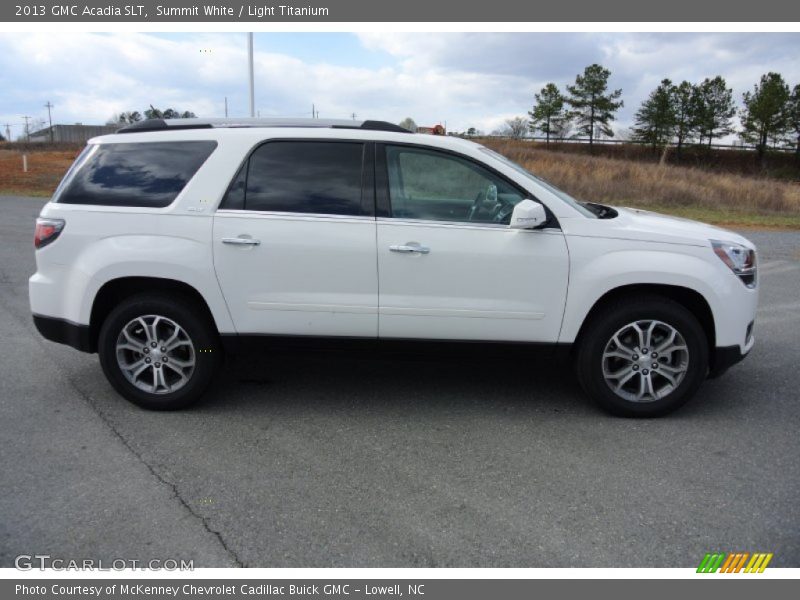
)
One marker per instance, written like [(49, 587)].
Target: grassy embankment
[(720, 198), (713, 197)]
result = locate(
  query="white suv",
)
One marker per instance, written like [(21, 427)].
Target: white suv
[(173, 242)]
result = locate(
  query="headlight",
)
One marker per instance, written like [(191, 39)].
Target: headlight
[(740, 260)]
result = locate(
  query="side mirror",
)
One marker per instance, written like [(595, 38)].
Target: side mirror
[(528, 215)]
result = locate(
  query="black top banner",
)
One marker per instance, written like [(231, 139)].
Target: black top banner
[(48, 11)]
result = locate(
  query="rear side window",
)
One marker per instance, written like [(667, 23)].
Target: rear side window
[(148, 174), (301, 177)]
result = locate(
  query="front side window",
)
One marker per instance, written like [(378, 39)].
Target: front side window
[(143, 174), (436, 186), (545, 184), (301, 177)]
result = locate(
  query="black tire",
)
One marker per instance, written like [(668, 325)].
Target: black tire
[(615, 316), (202, 337)]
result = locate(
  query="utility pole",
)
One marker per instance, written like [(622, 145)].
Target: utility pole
[(8, 132), (226, 107), (313, 111), (354, 115), (50, 118), (27, 131), (250, 65)]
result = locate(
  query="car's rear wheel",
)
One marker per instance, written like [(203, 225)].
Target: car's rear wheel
[(158, 351), (642, 357)]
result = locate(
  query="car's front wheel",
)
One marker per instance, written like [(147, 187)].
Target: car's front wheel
[(158, 351), (642, 357)]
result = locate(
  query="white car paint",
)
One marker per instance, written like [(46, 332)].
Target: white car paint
[(479, 282), (320, 275)]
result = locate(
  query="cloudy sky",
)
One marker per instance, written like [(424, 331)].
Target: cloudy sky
[(465, 79)]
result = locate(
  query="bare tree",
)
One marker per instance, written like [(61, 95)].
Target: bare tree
[(516, 128), (408, 123)]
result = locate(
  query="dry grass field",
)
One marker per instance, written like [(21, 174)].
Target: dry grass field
[(722, 198), (45, 170)]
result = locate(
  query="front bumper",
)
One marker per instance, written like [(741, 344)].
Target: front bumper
[(725, 357)]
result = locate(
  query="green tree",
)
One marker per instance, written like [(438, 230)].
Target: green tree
[(593, 107), (153, 113), (548, 111), (685, 100), (765, 115), (656, 118), (169, 113), (714, 109), (472, 131), (128, 117), (794, 120)]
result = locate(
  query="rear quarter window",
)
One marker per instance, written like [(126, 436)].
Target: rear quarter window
[(144, 174)]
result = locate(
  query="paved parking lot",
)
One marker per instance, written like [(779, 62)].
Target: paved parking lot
[(378, 462)]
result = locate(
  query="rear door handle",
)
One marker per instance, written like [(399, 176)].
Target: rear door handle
[(241, 241), (409, 248)]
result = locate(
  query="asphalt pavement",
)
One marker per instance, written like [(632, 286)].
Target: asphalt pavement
[(376, 462)]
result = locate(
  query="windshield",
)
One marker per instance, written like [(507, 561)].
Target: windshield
[(579, 206)]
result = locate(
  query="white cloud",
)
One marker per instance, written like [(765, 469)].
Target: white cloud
[(466, 79)]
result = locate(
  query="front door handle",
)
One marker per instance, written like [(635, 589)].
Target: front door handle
[(409, 248), (241, 241)]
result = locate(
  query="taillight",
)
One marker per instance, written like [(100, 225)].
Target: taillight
[(47, 230)]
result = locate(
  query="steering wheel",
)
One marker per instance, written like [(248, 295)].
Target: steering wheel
[(503, 213), (484, 201), (489, 201)]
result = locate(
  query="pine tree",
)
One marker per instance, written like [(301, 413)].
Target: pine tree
[(592, 107), (548, 111), (656, 118), (685, 101), (714, 109), (794, 120), (765, 115)]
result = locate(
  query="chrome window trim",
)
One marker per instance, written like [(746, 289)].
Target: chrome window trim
[(294, 216), (457, 224)]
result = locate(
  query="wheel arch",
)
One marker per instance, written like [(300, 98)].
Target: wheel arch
[(690, 299), (114, 291)]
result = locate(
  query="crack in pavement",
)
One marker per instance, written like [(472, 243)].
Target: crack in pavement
[(176, 493), (105, 419)]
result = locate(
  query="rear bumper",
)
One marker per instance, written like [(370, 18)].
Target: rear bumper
[(64, 332)]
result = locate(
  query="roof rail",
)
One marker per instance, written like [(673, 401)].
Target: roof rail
[(170, 124)]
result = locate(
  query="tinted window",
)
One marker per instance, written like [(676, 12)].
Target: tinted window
[(306, 177), (234, 197), (139, 174), (430, 185)]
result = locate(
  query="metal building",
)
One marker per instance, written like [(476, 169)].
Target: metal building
[(72, 133)]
